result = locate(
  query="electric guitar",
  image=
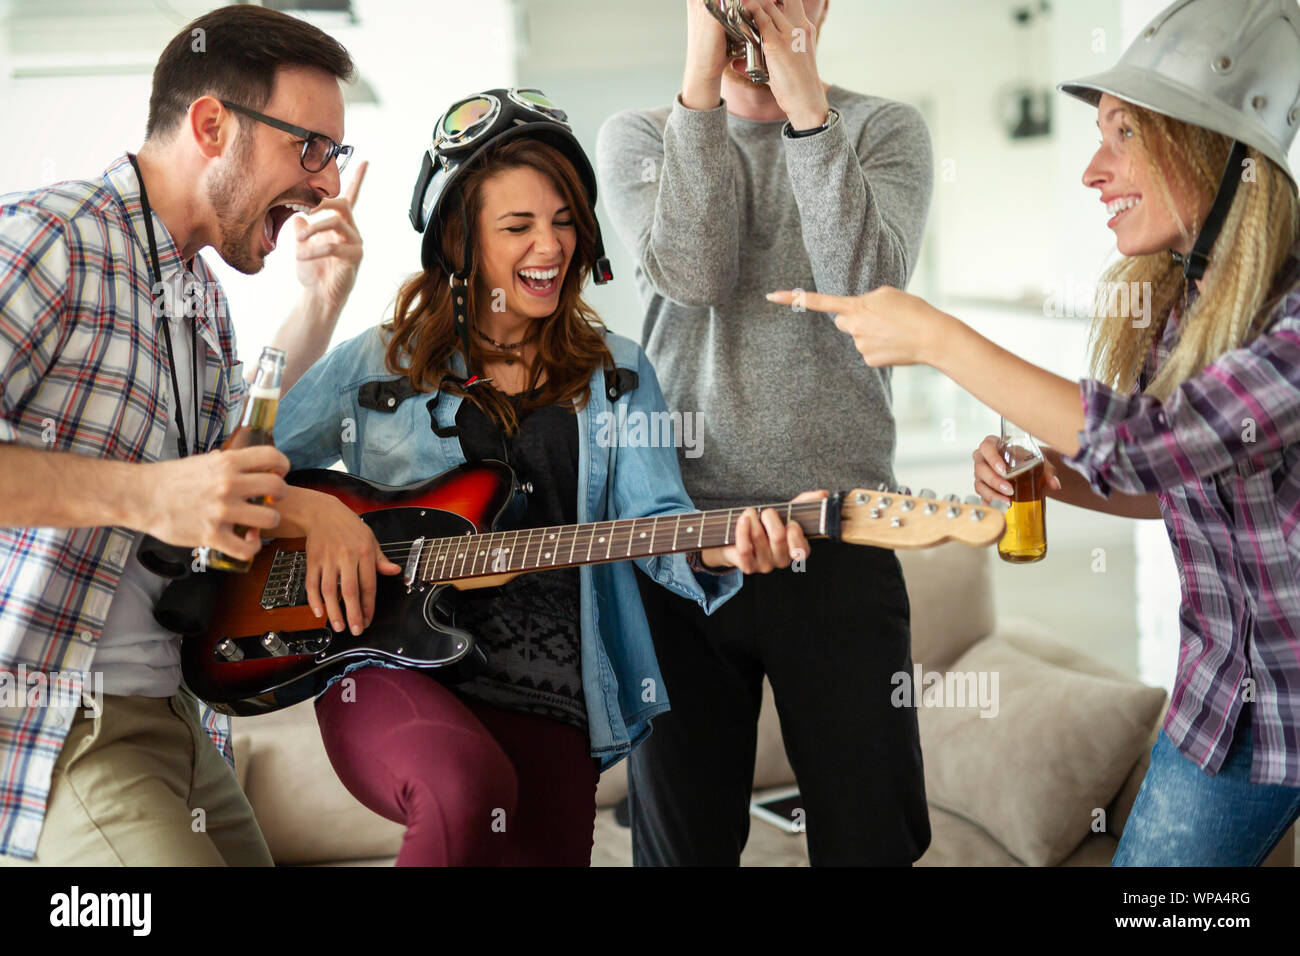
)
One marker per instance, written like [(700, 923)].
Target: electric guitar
[(264, 649)]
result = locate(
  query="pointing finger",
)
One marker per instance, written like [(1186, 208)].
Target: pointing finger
[(354, 187)]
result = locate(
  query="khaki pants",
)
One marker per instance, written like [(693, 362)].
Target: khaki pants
[(143, 785)]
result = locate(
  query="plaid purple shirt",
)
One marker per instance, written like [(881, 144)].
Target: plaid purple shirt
[(1223, 455), (82, 370)]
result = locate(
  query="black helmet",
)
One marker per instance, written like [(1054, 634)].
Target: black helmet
[(460, 139)]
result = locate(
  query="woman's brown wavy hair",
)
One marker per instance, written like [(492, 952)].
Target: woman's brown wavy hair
[(570, 343)]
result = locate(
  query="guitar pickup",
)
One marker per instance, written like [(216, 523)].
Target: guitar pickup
[(413, 562)]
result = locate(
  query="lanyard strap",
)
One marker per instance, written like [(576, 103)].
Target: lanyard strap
[(182, 446)]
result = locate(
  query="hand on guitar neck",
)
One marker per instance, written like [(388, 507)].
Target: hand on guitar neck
[(763, 542)]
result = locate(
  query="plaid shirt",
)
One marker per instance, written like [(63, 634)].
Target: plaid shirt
[(82, 370), (1223, 456)]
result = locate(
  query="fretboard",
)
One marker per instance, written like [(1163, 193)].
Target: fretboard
[(560, 546)]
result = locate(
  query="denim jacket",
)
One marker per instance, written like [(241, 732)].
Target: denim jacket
[(321, 421)]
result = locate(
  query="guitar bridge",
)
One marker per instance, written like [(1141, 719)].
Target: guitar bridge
[(413, 562), (286, 582)]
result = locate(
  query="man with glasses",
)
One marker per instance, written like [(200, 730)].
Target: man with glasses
[(112, 399)]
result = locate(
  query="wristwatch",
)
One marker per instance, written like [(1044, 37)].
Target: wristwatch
[(832, 117)]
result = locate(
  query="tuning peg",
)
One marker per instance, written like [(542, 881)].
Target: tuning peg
[(926, 493), (953, 498), (974, 500), (903, 490), (953, 511), (882, 486)]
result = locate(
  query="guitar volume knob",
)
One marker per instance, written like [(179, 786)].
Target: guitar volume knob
[(274, 645)]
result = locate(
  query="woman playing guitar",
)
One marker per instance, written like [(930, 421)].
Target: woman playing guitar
[(492, 354)]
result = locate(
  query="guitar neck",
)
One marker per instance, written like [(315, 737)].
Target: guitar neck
[(598, 542)]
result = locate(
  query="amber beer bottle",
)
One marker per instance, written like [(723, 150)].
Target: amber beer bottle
[(255, 428), (1025, 540)]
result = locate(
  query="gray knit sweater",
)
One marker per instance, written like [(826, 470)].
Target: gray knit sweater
[(720, 211)]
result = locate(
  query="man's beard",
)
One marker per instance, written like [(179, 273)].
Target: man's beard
[(229, 192)]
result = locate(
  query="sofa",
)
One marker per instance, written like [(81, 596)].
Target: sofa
[(1033, 751)]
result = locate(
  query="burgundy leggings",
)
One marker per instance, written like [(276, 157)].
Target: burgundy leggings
[(474, 785)]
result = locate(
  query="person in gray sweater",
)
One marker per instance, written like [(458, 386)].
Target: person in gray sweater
[(734, 190)]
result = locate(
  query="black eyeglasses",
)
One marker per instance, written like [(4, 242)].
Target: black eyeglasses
[(317, 148)]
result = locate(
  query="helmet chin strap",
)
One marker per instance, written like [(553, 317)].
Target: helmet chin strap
[(1198, 260), (459, 282)]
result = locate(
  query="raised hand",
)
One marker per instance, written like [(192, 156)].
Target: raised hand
[(790, 46), (329, 246), (706, 58)]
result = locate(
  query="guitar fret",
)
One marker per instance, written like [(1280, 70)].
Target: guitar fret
[(459, 554), (500, 552), (525, 561), (441, 571), (478, 554)]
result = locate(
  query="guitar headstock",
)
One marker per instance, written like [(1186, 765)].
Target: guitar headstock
[(893, 519)]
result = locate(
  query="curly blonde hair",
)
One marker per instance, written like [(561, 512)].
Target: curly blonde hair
[(1236, 295)]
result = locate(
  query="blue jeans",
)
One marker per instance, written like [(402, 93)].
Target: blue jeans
[(1185, 817)]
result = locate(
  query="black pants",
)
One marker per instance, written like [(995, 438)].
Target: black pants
[(830, 638)]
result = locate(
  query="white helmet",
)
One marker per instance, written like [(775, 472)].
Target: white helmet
[(1231, 66)]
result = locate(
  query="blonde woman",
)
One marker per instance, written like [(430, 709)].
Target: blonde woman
[(1194, 415)]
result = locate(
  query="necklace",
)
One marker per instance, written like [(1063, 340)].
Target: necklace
[(502, 345)]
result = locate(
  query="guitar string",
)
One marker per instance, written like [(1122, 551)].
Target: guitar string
[(619, 533)]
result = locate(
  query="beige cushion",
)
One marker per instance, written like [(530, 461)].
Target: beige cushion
[(950, 589), (1058, 749), (305, 813)]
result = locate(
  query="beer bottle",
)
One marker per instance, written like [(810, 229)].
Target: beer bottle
[(1025, 540), (255, 428)]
